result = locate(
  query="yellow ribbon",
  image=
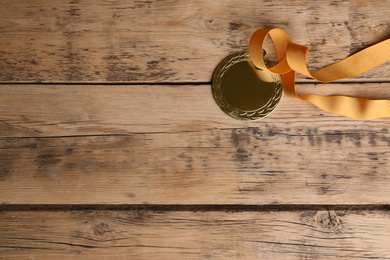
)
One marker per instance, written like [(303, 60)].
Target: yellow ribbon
[(292, 58)]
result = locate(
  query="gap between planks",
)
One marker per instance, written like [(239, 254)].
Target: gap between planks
[(194, 208)]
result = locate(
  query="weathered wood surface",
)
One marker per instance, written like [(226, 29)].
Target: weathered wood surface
[(74, 110), (195, 235), (82, 167), (173, 145), (172, 41)]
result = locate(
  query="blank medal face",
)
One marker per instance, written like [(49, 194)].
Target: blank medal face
[(244, 92)]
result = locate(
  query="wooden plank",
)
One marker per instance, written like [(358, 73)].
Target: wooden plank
[(73, 110), (168, 41), (195, 235), (243, 165), (172, 145)]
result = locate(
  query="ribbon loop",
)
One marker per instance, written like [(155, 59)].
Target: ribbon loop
[(292, 58)]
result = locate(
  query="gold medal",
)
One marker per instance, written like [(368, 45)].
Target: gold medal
[(243, 91)]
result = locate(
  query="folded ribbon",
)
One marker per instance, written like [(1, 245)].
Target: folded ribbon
[(292, 58)]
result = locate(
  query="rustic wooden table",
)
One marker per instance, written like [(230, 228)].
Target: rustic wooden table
[(111, 145)]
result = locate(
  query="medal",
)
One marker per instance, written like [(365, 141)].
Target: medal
[(243, 91), (249, 87)]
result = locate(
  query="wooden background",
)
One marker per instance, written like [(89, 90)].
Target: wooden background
[(111, 145)]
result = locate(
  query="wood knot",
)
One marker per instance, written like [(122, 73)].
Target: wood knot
[(101, 229), (328, 220)]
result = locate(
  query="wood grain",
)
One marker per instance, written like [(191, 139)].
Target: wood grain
[(169, 41), (195, 235), (79, 110), (172, 145), (154, 171)]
